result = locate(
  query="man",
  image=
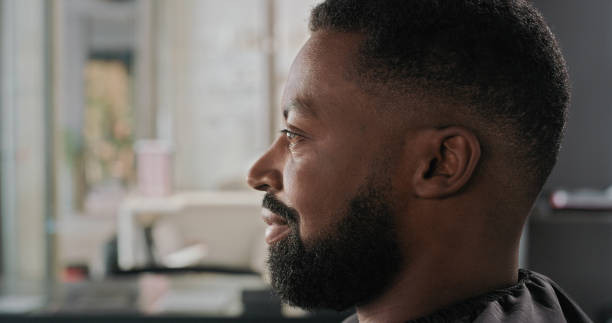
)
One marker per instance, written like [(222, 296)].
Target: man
[(417, 136)]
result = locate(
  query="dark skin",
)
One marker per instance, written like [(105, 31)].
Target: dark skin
[(458, 222)]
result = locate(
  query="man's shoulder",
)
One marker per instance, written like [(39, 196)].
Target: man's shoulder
[(536, 298)]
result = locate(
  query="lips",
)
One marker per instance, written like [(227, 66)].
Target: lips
[(277, 226)]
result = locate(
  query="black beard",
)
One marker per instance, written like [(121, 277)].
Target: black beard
[(349, 267)]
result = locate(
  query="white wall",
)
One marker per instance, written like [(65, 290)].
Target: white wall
[(214, 83), (212, 88), (23, 134)]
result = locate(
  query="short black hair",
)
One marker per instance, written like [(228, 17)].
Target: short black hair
[(495, 57)]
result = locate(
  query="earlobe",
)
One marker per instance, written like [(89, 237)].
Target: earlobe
[(448, 163)]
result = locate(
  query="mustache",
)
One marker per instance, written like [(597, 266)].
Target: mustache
[(271, 203)]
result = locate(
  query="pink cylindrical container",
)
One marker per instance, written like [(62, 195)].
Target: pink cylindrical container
[(154, 165)]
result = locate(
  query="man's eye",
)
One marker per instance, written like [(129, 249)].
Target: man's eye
[(292, 136), (293, 139)]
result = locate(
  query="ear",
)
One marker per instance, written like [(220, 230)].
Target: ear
[(449, 158)]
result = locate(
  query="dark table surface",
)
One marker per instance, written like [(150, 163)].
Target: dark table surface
[(197, 297)]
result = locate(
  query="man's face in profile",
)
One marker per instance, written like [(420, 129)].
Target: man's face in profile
[(328, 182), (417, 137)]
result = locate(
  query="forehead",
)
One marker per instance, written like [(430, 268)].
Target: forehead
[(322, 74), (330, 49)]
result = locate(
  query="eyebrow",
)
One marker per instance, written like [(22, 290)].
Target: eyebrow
[(299, 106)]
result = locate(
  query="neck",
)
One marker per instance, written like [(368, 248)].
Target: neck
[(441, 278)]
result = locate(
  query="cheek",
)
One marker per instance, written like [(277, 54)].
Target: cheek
[(307, 190), (318, 188)]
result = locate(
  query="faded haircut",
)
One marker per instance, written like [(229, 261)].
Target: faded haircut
[(496, 58)]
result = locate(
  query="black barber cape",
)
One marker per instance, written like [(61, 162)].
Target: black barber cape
[(534, 299)]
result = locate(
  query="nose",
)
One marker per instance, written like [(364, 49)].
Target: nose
[(266, 173)]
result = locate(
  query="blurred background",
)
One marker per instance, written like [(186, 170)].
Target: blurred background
[(127, 128)]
